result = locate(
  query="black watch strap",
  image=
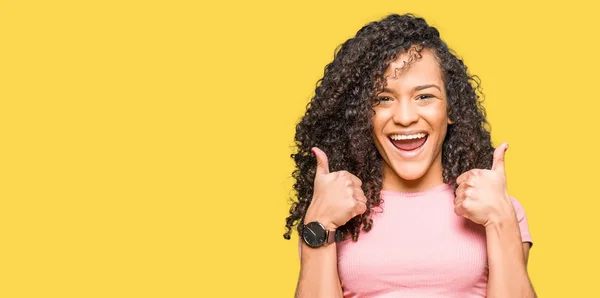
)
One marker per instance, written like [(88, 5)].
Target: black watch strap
[(334, 236), (330, 236), (338, 236)]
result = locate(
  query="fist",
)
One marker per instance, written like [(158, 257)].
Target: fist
[(337, 196), (482, 195)]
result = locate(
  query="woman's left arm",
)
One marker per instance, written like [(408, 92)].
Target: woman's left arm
[(483, 198), (507, 260)]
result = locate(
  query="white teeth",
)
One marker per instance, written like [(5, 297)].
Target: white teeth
[(408, 137)]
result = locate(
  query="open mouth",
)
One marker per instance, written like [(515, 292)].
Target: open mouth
[(408, 142)]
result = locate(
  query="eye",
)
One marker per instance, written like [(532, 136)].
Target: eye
[(425, 97), (384, 98)]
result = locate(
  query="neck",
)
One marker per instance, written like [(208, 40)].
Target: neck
[(432, 178)]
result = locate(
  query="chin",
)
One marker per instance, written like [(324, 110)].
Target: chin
[(410, 173)]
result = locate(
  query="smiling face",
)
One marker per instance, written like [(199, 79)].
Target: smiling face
[(410, 123)]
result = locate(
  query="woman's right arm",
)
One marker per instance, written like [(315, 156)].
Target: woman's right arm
[(337, 198), (318, 272)]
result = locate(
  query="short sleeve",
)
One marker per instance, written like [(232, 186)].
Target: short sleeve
[(522, 219)]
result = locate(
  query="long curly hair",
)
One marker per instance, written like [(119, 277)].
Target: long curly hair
[(338, 118)]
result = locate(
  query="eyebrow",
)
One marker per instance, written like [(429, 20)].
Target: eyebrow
[(417, 88)]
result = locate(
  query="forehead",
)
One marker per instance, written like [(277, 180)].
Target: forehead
[(412, 68)]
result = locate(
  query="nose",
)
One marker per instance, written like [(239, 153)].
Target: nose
[(406, 113)]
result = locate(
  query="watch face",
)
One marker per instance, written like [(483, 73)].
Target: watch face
[(313, 234)]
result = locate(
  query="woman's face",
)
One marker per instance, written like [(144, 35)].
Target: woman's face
[(410, 123)]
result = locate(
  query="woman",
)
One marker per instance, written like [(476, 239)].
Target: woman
[(402, 163)]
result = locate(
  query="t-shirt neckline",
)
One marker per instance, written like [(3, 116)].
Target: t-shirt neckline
[(435, 189)]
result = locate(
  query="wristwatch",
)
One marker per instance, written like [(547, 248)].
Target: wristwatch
[(316, 235)]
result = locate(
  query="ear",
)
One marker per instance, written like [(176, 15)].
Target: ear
[(450, 121)]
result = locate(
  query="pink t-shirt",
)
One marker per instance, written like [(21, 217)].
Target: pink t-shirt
[(418, 247)]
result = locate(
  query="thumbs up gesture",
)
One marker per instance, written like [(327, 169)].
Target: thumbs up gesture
[(337, 196), (482, 196)]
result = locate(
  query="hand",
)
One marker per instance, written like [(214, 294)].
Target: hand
[(482, 196), (337, 196)]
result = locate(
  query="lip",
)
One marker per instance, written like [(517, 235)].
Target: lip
[(409, 154), (407, 132)]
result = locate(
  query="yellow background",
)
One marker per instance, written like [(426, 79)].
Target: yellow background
[(145, 144)]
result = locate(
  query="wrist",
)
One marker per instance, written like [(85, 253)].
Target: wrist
[(329, 225), (500, 221), (315, 234), (505, 215)]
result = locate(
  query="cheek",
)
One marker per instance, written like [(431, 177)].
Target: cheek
[(437, 117), (379, 120)]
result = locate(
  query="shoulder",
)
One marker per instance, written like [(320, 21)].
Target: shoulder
[(518, 208)]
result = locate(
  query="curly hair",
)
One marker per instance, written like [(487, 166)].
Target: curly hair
[(338, 117)]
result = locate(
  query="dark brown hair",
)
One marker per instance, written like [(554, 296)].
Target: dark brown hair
[(338, 118)]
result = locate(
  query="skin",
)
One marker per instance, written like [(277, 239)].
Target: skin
[(415, 101), (483, 198)]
